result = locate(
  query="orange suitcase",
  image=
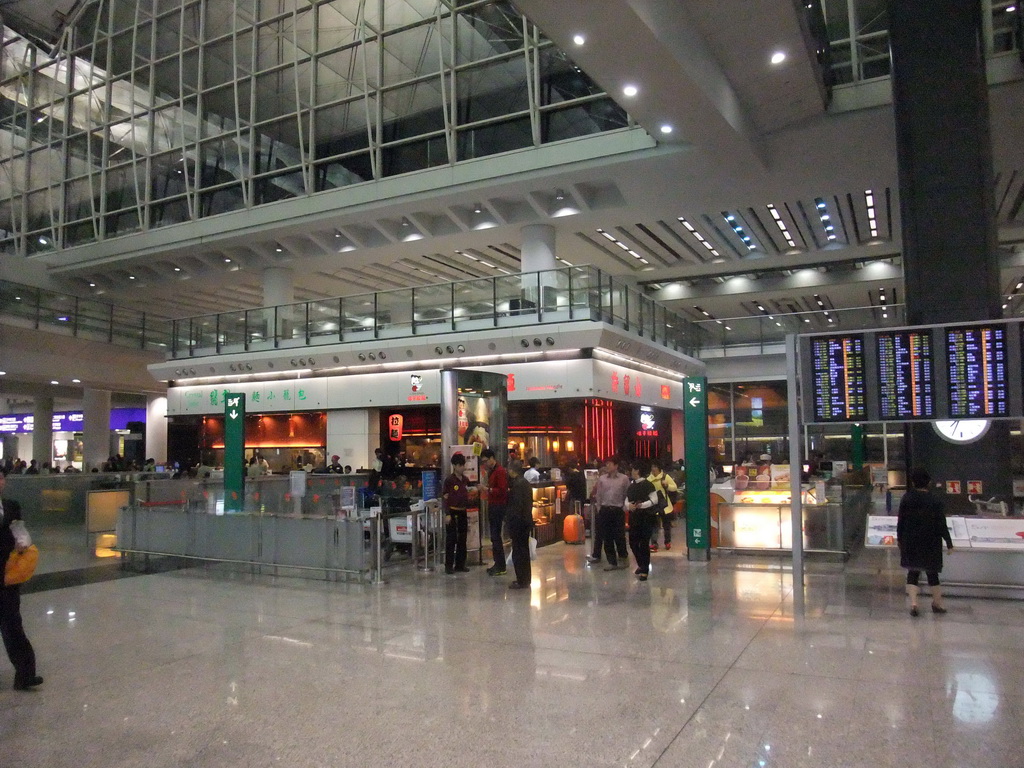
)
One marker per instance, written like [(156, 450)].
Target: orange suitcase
[(573, 531)]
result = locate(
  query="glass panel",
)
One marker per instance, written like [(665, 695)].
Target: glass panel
[(474, 302), (411, 53), (492, 139), (260, 325), (582, 120), (516, 296), (491, 90), (204, 332), (94, 320), (18, 301), (561, 80), (488, 30), (433, 308), (339, 75), (394, 312), (324, 320), (415, 156), (127, 327), (232, 329), (413, 110), (357, 315)]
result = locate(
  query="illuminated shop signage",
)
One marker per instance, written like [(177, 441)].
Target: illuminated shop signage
[(648, 424), (627, 380), (67, 421), (395, 425)]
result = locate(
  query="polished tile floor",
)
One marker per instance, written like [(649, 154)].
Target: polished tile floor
[(702, 666)]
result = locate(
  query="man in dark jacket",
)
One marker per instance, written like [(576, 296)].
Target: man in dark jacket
[(920, 529), (19, 649), (519, 519)]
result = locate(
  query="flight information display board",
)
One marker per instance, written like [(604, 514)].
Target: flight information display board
[(905, 376), (839, 384), (978, 368)]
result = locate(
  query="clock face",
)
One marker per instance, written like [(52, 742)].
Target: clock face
[(962, 430)]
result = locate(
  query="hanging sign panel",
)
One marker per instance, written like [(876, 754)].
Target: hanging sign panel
[(956, 371)]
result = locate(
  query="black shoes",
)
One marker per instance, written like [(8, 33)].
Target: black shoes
[(449, 571), (642, 577), (592, 559), (938, 609), (463, 569), (614, 567), (914, 611), (496, 570), (26, 685), (517, 585)]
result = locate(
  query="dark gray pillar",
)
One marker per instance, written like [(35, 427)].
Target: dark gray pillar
[(950, 261)]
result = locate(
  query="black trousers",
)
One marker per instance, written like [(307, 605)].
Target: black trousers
[(455, 540), (641, 524), (19, 649), (519, 532), (665, 523), (610, 532), (496, 516), (914, 576)]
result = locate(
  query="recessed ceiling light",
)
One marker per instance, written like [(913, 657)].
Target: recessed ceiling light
[(92, 285), (3, 373), (227, 261), (666, 128), (279, 249), (778, 57), (630, 90), (131, 277), (54, 381), (177, 269), (579, 39), (76, 381)]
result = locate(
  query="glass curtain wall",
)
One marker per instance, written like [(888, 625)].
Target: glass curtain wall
[(858, 31), (148, 113)]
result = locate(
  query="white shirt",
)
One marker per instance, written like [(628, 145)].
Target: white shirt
[(532, 475)]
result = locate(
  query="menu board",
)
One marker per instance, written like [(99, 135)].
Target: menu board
[(977, 366), (837, 365), (905, 379)]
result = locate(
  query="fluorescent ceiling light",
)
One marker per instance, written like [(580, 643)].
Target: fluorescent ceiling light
[(579, 39), (778, 57), (666, 128), (630, 91)]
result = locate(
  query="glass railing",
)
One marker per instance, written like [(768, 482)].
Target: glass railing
[(752, 335), (532, 298), (63, 313)]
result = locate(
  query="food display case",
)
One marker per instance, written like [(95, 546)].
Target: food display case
[(757, 516), (548, 514)]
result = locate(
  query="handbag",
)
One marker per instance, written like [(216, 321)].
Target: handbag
[(21, 565)]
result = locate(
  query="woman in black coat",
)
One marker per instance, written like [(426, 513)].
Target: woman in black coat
[(19, 649), (920, 531)]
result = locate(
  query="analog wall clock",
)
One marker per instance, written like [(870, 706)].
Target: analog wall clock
[(962, 430)]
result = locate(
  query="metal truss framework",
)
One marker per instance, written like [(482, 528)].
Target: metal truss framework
[(157, 112)]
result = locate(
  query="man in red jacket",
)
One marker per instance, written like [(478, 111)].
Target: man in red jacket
[(497, 502)]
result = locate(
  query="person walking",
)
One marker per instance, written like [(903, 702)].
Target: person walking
[(16, 643), (642, 503), (920, 531), (520, 521), (455, 498), (497, 501), (610, 521), (664, 514)]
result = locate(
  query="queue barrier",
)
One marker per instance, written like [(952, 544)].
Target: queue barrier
[(337, 546)]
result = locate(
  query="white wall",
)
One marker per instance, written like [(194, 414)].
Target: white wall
[(353, 434)]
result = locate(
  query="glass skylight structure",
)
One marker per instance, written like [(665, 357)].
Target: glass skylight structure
[(150, 113)]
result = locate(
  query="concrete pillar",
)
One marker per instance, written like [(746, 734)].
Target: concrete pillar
[(947, 211), (278, 289), (156, 428), (95, 428), (537, 254), (42, 430), (353, 434)]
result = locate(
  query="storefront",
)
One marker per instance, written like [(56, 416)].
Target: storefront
[(127, 432)]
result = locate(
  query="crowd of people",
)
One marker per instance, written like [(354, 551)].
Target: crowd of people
[(644, 494)]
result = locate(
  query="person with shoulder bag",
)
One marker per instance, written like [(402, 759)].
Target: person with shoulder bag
[(668, 491), (14, 538)]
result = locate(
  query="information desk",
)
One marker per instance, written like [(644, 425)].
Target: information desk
[(987, 551)]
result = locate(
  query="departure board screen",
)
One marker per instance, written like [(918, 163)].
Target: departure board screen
[(905, 383), (977, 371), (839, 381)]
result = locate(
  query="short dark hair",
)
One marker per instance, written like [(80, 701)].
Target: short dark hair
[(534, 461), (486, 453), (611, 460), (458, 460), (643, 466), (515, 467), (919, 478)]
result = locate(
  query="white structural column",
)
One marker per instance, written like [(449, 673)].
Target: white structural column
[(353, 435), (42, 430), (538, 255), (95, 428), (278, 289), (156, 428)]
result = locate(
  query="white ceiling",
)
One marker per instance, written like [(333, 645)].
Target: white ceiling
[(747, 134)]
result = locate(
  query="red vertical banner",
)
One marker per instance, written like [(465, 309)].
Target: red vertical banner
[(396, 423)]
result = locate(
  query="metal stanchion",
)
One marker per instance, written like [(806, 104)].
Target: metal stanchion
[(376, 537)]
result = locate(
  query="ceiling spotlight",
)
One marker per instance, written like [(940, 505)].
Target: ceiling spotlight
[(177, 269), (478, 209), (55, 382), (3, 373), (778, 57), (92, 285), (666, 128), (579, 39), (630, 91), (131, 277), (227, 261), (559, 195)]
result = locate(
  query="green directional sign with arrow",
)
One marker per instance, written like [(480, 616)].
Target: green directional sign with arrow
[(234, 451), (698, 484)]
